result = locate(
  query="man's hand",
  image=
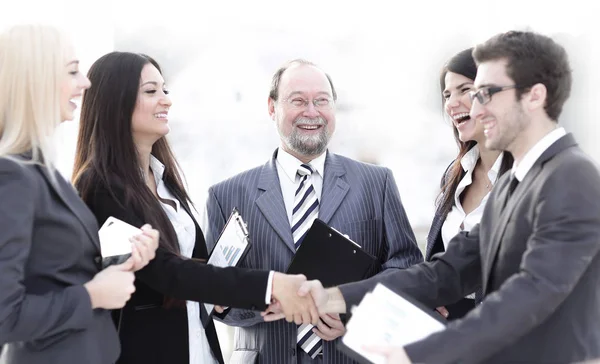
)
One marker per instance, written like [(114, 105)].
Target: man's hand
[(144, 246), (328, 300), (392, 354), (330, 327), (288, 304)]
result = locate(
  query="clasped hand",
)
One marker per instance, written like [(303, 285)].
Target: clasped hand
[(302, 302)]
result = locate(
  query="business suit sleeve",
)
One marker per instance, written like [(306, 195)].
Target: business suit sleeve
[(445, 279), (401, 249), (564, 241), (24, 316), (187, 279)]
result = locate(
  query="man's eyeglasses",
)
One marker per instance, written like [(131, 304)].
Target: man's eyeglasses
[(320, 103), (484, 94)]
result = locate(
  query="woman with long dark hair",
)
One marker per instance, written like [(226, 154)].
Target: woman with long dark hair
[(124, 167), (467, 182)]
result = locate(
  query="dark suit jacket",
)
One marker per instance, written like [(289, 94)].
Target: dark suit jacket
[(151, 333), (358, 199), (540, 271), (48, 245)]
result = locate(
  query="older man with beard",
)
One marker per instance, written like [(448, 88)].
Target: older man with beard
[(281, 199)]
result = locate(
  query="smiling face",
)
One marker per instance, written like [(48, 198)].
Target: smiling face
[(304, 129), (72, 85), (458, 104), (503, 117), (150, 116)]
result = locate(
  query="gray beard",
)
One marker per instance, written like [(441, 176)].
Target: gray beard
[(306, 144)]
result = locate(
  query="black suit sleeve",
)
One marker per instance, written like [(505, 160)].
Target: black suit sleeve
[(186, 279), (445, 279)]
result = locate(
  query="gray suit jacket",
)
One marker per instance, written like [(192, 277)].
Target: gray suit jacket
[(359, 199), (48, 245), (540, 267)]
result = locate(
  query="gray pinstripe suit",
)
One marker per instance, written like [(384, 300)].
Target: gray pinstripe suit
[(359, 199)]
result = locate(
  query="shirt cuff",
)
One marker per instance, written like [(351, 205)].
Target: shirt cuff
[(269, 288)]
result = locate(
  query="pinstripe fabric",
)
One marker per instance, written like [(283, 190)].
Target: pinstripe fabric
[(359, 199)]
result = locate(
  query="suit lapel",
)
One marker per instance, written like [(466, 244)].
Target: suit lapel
[(270, 203), (70, 199), (498, 230), (334, 187), (504, 215)]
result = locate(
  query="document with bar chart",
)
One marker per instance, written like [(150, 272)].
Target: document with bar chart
[(385, 318), (230, 247)]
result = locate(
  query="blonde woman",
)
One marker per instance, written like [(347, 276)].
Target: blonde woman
[(54, 299)]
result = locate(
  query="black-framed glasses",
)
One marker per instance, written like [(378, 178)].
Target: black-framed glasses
[(484, 94)]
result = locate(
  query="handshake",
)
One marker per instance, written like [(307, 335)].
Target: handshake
[(306, 302)]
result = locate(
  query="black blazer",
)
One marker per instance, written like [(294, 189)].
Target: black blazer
[(151, 333), (48, 249), (539, 262), (435, 245)]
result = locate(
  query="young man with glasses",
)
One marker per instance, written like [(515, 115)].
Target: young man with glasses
[(537, 246), (281, 199)]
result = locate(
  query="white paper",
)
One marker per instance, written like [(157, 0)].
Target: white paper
[(229, 248), (385, 318), (114, 237)]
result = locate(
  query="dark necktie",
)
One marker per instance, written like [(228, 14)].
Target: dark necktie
[(512, 185)]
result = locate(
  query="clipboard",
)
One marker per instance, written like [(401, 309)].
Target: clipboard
[(376, 316), (332, 258), (231, 247)]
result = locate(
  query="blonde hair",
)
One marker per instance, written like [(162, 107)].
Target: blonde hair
[(32, 67)]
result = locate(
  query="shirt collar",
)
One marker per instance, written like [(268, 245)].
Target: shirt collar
[(521, 170), (158, 169), (290, 164), (469, 160)]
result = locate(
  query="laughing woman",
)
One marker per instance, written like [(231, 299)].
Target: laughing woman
[(468, 181)]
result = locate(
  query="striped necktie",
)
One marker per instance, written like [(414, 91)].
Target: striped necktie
[(306, 210)]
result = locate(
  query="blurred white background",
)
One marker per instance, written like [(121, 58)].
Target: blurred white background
[(384, 58)]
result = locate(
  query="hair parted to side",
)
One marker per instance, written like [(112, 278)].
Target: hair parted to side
[(274, 91), (106, 153), (532, 58), (32, 66)]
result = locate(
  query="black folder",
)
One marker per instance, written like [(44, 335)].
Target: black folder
[(327, 255)]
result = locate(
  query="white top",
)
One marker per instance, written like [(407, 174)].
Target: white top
[(185, 229), (287, 169), (457, 216), (536, 152)]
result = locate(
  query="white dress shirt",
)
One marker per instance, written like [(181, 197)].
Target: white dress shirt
[(521, 170), (185, 229), (457, 216), (287, 169)]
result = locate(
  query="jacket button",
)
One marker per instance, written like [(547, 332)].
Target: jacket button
[(293, 351)]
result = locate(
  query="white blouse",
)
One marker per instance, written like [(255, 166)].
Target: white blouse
[(457, 216), (185, 229)]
